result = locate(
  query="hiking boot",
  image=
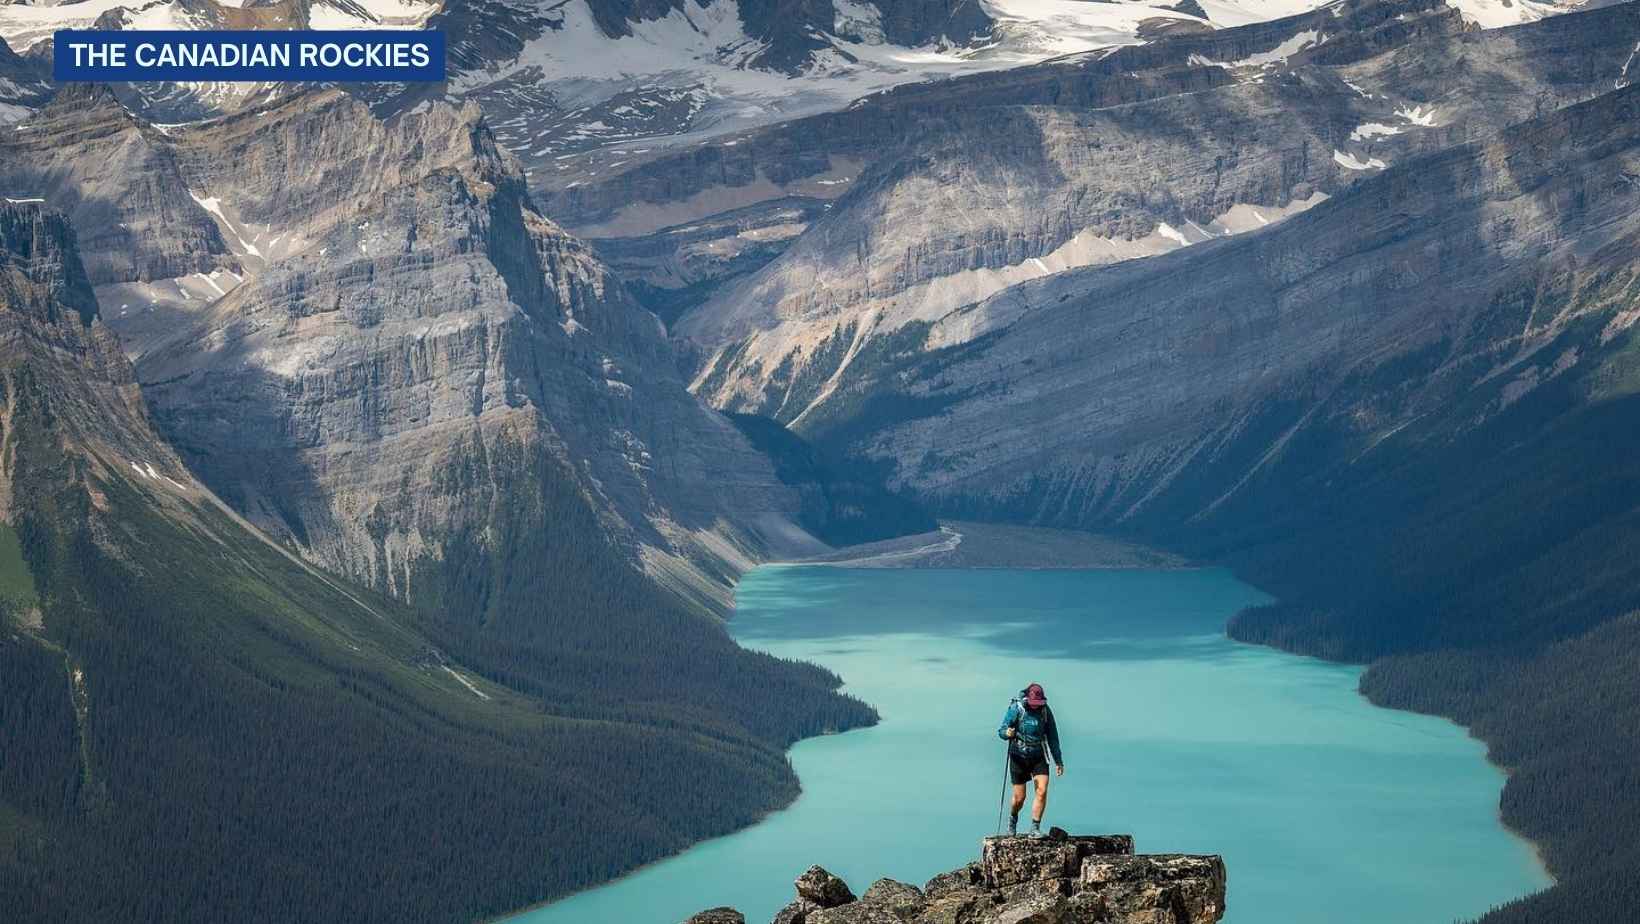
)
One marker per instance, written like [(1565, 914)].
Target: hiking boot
[(1036, 831), (1013, 826)]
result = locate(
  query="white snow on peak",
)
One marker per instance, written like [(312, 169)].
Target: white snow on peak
[(1350, 162), (1495, 14), (703, 50), (24, 25), (381, 13)]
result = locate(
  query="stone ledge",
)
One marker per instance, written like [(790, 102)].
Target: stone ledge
[(1058, 879)]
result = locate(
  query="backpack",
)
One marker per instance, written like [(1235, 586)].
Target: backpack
[(1038, 742)]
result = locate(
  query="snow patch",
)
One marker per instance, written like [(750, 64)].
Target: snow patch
[(1369, 130), (213, 205), (1418, 115), (1350, 162), (1495, 14), (1168, 231), (1309, 38)]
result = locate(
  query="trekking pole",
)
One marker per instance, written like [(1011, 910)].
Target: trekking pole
[(1002, 806)]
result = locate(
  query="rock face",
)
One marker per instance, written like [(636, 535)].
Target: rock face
[(1235, 131), (1059, 879), (1168, 887), (61, 364), (1156, 390), (118, 180), (822, 888), (23, 85), (393, 361), (1011, 861)]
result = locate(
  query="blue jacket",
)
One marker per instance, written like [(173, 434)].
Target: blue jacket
[(1032, 727)]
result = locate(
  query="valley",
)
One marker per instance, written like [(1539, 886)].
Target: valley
[(373, 453), (1169, 727)]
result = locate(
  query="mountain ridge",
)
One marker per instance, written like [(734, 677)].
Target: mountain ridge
[(1008, 193)]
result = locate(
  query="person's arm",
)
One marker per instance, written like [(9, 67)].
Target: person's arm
[(1053, 741), (1004, 731)]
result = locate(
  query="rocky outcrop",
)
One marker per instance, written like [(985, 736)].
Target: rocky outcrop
[(1058, 879), (822, 888)]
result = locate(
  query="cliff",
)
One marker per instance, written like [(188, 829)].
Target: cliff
[(393, 362), (1059, 879)]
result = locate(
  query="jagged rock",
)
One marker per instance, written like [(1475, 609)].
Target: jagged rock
[(1087, 908), (717, 916), (854, 913), (953, 881), (795, 913), (1026, 891), (1058, 879), (899, 899), (1090, 844), (1013, 859), (821, 887), (963, 907), (1189, 889), (1048, 908)]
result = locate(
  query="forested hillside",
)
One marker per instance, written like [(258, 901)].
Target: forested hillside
[(1491, 578), (196, 724)]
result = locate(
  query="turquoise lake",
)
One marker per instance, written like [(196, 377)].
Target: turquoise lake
[(1325, 808)]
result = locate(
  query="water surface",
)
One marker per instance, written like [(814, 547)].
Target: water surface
[(1324, 807)]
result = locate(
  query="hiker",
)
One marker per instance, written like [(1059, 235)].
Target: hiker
[(1029, 729)]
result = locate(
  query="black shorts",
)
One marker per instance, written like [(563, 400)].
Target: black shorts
[(1021, 768)]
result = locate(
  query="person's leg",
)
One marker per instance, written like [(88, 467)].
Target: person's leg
[(1019, 773), (1040, 804)]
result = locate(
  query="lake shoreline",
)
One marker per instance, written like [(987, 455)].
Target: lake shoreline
[(963, 545), (976, 545), (969, 545)]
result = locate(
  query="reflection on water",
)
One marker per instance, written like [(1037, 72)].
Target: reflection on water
[(1172, 732)]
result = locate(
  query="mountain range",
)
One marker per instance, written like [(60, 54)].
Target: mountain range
[(371, 453), (323, 480)]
